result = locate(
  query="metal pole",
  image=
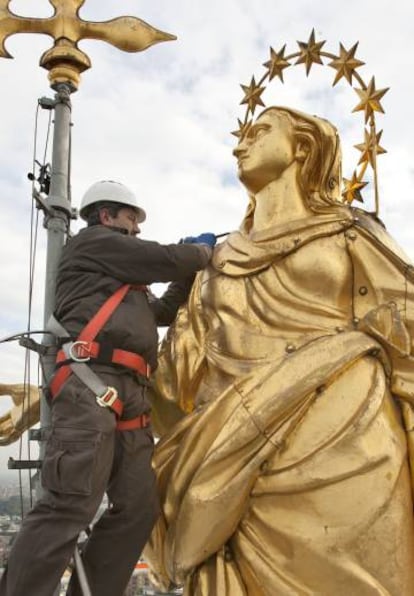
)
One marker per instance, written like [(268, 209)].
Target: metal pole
[(56, 224), (80, 570)]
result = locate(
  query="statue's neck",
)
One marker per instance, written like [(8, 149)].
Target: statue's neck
[(278, 203)]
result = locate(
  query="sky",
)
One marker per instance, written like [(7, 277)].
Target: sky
[(160, 122)]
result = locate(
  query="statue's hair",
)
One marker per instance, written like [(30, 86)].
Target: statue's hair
[(320, 173)]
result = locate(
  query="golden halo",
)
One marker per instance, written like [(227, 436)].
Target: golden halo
[(345, 64)]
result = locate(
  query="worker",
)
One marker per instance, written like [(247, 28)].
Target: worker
[(102, 443)]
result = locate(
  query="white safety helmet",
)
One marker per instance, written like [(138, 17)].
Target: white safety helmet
[(110, 191)]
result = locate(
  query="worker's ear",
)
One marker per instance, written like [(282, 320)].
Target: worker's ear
[(104, 216)]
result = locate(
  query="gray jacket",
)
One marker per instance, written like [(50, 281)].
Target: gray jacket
[(98, 260)]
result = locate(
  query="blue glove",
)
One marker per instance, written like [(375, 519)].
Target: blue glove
[(206, 238)]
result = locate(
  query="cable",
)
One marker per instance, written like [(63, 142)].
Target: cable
[(32, 262), (47, 136), (34, 226), (69, 190)]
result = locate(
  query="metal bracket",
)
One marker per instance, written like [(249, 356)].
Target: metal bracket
[(47, 103), (44, 177), (31, 344), (41, 203), (35, 434), (23, 464)]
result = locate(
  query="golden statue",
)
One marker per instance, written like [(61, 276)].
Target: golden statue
[(289, 378)]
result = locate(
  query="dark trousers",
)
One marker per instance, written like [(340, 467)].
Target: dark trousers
[(86, 457)]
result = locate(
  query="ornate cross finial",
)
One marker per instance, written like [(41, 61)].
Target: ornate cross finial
[(65, 61)]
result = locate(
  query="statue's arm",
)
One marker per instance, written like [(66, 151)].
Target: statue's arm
[(181, 362)]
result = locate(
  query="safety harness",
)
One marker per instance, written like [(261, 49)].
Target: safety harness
[(74, 355)]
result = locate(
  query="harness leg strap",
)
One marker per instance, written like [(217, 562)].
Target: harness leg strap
[(142, 421)]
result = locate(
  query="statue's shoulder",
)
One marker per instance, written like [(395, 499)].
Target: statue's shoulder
[(370, 227), (322, 264)]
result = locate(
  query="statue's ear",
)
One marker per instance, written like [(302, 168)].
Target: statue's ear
[(302, 150)]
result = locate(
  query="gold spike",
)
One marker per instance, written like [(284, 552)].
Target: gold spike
[(310, 52), (370, 147), (243, 128), (370, 99), (252, 95), (353, 187), (277, 63), (345, 64)]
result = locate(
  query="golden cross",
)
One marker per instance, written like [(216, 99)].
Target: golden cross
[(65, 61)]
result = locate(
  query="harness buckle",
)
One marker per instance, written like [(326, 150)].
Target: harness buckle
[(80, 351), (108, 398)]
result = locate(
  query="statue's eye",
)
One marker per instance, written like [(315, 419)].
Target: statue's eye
[(258, 132)]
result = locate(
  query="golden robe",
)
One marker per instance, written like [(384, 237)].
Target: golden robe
[(290, 473)]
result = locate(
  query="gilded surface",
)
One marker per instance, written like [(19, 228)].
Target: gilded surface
[(65, 60), (285, 391), (24, 413), (346, 66)]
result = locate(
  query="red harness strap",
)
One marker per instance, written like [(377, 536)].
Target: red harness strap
[(83, 351), (85, 348), (98, 321), (139, 422)]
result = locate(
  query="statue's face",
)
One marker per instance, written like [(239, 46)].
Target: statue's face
[(265, 151)]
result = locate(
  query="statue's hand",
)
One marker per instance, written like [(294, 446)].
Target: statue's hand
[(25, 412), (7, 430)]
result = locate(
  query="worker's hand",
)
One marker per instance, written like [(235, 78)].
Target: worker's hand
[(206, 238)]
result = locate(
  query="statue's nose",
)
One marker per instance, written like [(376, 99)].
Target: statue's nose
[(239, 150)]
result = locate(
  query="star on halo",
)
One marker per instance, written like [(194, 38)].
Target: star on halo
[(277, 63), (345, 64), (310, 52), (370, 143), (370, 99), (352, 190), (252, 95), (243, 128)]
